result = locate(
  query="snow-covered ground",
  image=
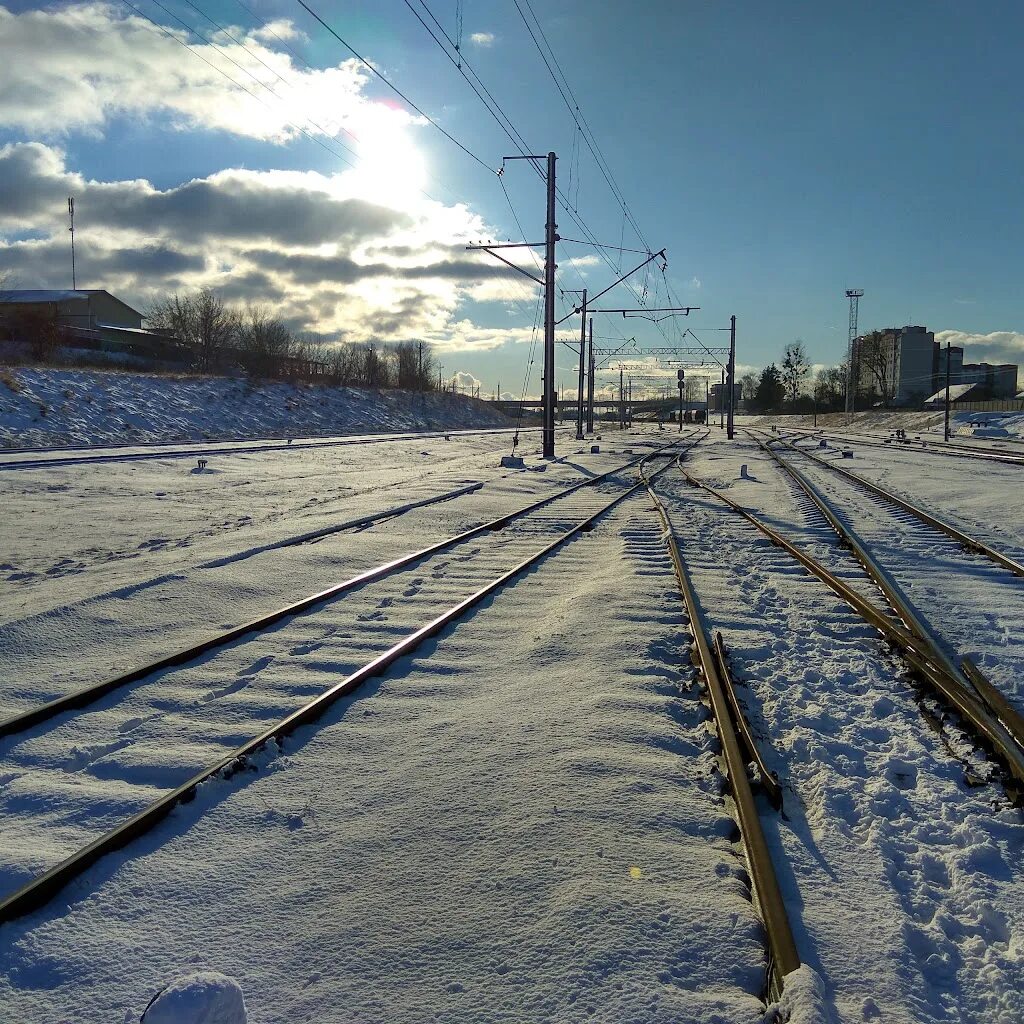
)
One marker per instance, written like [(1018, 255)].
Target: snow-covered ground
[(41, 407), (524, 821)]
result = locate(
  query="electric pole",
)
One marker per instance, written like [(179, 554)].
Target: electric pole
[(946, 430), (681, 377), (590, 375), (551, 237), (854, 295), (548, 400), (71, 218), (730, 432), (583, 352)]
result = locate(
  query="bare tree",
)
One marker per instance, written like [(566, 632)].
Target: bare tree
[(830, 387), (201, 320), (795, 369), (265, 341), (876, 365)]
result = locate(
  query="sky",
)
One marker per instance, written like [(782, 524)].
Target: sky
[(780, 153)]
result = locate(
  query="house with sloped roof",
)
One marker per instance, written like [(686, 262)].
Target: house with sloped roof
[(86, 318)]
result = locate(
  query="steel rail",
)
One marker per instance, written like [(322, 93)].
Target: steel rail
[(783, 957), (44, 887), (769, 780), (977, 546), (90, 694), (311, 439), (931, 447), (903, 608), (893, 594), (179, 453), (989, 725)]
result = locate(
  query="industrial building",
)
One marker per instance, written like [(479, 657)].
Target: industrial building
[(902, 365)]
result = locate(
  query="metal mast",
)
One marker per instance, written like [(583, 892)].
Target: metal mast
[(71, 219), (853, 294)]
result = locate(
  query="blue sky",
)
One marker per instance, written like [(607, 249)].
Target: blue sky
[(780, 152)]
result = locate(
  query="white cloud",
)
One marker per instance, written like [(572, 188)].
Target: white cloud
[(995, 347), (485, 39), (465, 381), (81, 65), (310, 245)]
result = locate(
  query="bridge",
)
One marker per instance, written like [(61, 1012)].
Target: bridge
[(565, 408)]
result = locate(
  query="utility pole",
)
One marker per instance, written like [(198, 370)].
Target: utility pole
[(583, 351), (854, 295), (590, 376), (681, 377), (419, 368), (946, 431), (548, 399), (721, 402), (622, 401), (730, 432), (71, 218), (550, 238)]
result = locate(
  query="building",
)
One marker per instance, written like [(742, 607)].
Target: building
[(718, 394), (85, 318), (901, 365), (895, 365), (992, 380)]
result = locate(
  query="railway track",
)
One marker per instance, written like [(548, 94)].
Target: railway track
[(101, 766), (949, 448), (739, 748), (902, 503), (113, 453), (932, 625), (874, 798)]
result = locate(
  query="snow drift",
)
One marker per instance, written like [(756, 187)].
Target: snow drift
[(40, 407)]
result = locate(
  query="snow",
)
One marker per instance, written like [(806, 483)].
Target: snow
[(525, 820), (40, 407), (202, 998)]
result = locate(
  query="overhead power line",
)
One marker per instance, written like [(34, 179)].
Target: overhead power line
[(398, 92), (238, 85)]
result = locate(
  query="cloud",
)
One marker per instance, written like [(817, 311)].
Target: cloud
[(309, 244), (81, 65), (995, 347), (485, 39), (465, 381)]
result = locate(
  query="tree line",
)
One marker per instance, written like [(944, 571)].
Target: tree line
[(222, 337), (793, 386)]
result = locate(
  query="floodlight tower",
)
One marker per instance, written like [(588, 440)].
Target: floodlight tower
[(853, 294)]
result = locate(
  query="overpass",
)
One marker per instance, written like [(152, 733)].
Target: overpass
[(565, 408)]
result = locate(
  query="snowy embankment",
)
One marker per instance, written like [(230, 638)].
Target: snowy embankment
[(1009, 425), (40, 407)]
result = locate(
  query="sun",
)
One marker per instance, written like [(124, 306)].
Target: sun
[(392, 171)]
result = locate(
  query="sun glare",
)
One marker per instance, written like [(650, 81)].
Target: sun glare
[(391, 170)]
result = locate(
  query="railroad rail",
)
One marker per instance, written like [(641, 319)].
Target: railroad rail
[(43, 887), (931, 447), (203, 450), (970, 543), (988, 715), (84, 696), (738, 749)]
